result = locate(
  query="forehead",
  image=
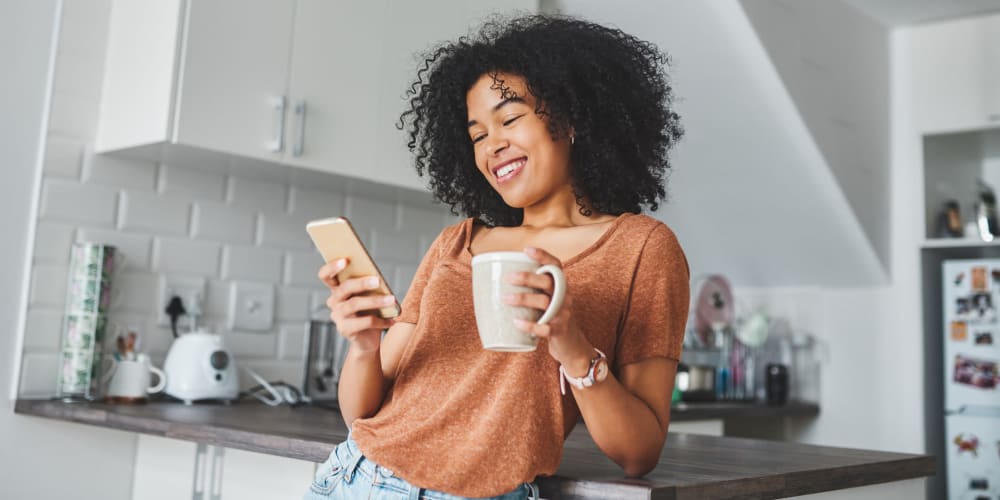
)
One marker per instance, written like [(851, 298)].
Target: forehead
[(493, 88)]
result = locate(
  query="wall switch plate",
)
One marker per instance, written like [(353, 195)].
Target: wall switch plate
[(184, 287), (251, 306)]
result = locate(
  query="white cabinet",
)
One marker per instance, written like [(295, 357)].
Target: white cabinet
[(956, 74), (318, 84), (171, 469), (199, 73)]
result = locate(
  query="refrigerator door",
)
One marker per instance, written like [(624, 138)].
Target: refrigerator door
[(971, 334), (973, 456)]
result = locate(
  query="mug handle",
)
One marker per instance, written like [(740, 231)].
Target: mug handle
[(159, 385), (558, 293), (110, 371)]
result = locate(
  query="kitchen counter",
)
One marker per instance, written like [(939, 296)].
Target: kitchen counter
[(691, 466)]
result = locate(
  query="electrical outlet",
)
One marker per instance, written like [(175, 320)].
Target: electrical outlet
[(184, 287), (251, 306)]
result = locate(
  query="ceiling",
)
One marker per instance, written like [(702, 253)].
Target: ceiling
[(894, 13)]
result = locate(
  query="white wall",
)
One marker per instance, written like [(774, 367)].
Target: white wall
[(39, 458), (754, 198)]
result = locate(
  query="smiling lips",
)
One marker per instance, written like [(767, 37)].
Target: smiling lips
[(507, 170)]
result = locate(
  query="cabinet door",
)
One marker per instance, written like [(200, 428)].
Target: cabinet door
[(233, 69), (164, 468), (256, 476), (956, 74), (334, 71)]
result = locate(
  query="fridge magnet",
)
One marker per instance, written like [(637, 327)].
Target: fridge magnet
[(980, 282), (967, 443), (979, 483), (976, 372), (983, 338), (963, 309), (959, 331), (982, 305), (959, 278)]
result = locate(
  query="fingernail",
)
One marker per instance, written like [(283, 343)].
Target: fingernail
[(509, 298), (388, 299), (521, 324), (530, 249), (372, 282), (341, 263)]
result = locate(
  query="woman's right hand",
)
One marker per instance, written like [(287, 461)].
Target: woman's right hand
[(364, 331)]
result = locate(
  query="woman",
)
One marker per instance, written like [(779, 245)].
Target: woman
[(550, 134)]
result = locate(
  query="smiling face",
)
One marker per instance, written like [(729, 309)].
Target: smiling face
[(513, 146)]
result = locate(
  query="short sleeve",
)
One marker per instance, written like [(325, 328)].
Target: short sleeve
[(658, 301), (411, 303)]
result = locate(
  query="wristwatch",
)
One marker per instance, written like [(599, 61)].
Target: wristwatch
[(597, 372)]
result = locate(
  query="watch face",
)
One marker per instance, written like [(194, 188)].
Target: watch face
[(601, 372)]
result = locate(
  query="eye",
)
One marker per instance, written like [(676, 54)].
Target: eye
[(478, 138), (511, 120)]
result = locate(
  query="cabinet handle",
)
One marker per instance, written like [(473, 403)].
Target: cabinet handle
[(278, 144), (300, 133)]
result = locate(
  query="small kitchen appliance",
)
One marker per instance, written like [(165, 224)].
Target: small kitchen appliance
[(199, 367)]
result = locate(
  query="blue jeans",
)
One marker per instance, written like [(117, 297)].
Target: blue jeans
[(348, 475)]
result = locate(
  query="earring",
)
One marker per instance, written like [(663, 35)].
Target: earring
[(572, 139)]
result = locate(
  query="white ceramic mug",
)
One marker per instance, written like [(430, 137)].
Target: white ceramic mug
[(494, 318), (132, 380)]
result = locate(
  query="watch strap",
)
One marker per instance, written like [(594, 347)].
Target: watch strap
[(587, 380)]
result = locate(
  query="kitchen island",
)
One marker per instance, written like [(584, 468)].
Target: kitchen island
[(691, 466)]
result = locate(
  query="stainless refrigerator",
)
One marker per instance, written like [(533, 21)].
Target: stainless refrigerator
[(971, 378)]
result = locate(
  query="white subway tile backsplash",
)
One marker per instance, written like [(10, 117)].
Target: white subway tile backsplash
[(63, 157), (136, 292), (392, 245), (216, 221), (253, 263), (314, 204), (52, 242), (186, 256), (119, 172), (279, 230), (292, 340), (148, 212), (135, 247), (302, 268), (415, 220), (38, 374), (367, 214), (250, 345), (73, 116), (48, 286), (84, 33), (293, 304), (70, 201), (258, 194), (403, 279), (43, 330), (193, 183)]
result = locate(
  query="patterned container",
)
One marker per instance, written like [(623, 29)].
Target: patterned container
[(88, 297)]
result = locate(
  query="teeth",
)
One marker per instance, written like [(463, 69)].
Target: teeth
[(510, 167)]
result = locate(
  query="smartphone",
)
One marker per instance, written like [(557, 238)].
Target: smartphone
[(335, 238)]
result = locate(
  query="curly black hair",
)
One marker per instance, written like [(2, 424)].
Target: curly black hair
[(609, 87)]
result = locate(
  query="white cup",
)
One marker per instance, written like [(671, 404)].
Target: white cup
[(494, 318), (132, 380)]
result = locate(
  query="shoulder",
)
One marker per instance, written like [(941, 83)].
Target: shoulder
[(452, 237), (651, 234)]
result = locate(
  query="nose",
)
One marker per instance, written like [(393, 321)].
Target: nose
[(496, 144)]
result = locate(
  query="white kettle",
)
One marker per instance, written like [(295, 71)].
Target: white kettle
[(198, 366)]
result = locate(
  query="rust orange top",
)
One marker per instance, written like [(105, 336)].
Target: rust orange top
[(477, 423)]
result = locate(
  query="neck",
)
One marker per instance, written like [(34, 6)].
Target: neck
[(559, 210)]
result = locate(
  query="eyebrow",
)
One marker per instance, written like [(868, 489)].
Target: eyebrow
[(500, 105)]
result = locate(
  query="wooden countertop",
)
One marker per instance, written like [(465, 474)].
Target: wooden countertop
[(691, 466)]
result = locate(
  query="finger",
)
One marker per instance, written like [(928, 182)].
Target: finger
[(541, 256), (538, 301), (355, 286), (328, 272), (542, 282), (541, 331), (362, 303)]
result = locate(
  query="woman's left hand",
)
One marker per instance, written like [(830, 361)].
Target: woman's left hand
[(567, 344)]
